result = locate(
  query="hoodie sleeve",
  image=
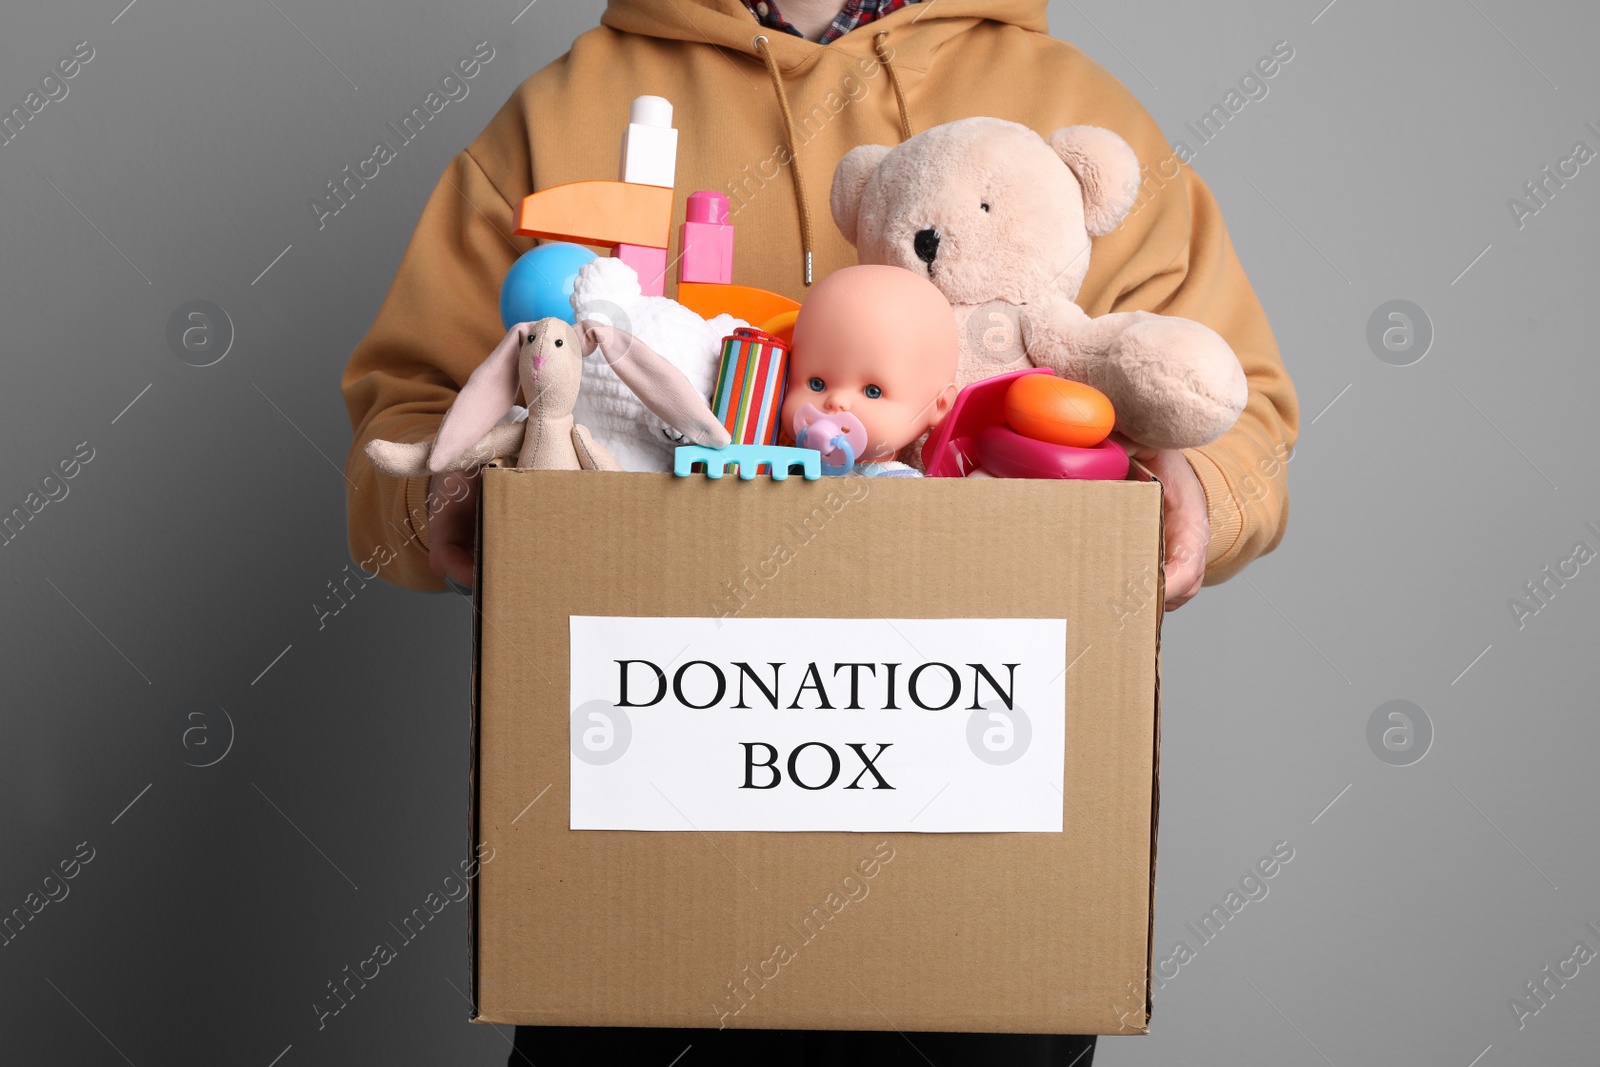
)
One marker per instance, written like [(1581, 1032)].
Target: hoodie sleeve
[(1173, 256), (440, 318), (1244, 473)]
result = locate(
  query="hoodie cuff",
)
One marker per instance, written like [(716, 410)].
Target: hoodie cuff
[(1222, 507)]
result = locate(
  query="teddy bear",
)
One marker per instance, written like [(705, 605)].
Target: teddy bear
[(1000, 219)]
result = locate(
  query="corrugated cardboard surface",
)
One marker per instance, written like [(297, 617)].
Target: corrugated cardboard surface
[(1031, 933)]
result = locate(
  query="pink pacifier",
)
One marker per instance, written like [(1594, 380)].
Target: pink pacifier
[(840, 437)]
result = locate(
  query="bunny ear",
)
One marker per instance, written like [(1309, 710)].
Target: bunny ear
[(659, 385), (486, 397), (588, 335)]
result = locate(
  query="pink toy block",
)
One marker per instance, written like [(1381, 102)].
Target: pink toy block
[(706, 240), (650, 263)]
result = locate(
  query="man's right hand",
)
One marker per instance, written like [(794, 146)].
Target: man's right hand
[(453, 525)]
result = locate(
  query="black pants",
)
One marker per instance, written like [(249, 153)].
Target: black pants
[(559, 1046)]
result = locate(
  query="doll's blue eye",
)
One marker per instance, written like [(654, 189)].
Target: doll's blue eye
[(817, 385), (873, 391)]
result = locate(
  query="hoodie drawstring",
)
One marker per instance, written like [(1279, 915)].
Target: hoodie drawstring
[(887, 59), (801, 202)]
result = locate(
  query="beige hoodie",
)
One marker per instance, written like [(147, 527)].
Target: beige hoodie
[(923, 65)]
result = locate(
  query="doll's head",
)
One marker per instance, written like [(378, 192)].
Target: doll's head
[(877, 345)]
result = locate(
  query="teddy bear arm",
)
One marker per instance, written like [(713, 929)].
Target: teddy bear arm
[(1174, 382), (1058, 335)]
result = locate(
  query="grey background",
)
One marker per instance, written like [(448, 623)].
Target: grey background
[(189, 551)]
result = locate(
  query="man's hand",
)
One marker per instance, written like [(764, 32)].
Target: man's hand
[(1183, 507), (453, 524)]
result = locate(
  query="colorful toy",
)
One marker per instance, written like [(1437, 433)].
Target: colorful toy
[(1005, 453), (539, 284), (951, 448), (781, 326), (705, 267), (976, 437), (649, 393), (608, 291), (545, 359), (649, 144), (747, 461), (1015, 214), (1058, 410), (599, 213), (872, 367), (633, 214), (650, 264), (741, 301), (706, 240), (649, 157), (751, 379), (838, 438)]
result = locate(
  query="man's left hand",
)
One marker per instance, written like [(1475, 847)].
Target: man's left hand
[(1188, 524)]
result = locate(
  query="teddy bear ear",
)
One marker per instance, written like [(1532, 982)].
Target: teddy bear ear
[(1107, 169), (850, 180)]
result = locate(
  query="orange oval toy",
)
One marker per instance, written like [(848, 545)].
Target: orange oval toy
[(1058, 410)]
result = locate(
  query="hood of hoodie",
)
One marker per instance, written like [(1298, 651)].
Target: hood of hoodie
[(798, 72), (764, 117), (917, 29)]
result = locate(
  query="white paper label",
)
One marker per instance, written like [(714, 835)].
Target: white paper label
[(919, 725)]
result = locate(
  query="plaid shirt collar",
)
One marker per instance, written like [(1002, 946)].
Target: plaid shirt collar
[(855, 13)]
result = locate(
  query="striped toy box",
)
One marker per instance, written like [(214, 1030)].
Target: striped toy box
[(750, 386)]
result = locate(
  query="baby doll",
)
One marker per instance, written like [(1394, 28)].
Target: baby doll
[(872, 367)]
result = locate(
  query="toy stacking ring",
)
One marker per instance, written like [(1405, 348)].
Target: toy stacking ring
[(1007, 454)]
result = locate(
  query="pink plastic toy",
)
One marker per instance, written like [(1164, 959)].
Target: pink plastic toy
[(1005, 453), (706, 240), (975, 437), (647, 262)]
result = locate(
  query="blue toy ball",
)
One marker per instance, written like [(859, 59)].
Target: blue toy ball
[(539, 284)]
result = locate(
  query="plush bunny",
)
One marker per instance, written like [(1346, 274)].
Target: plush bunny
[(607, 290), (546, 359), (1000, 219)]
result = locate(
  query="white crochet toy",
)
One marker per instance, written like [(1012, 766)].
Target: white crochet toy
[(607, 291)]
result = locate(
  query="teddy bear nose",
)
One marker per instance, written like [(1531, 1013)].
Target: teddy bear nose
[(926, 244)]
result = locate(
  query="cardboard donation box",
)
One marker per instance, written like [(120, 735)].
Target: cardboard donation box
[(852, 754)]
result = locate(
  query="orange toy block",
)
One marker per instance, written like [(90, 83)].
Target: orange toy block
[(710, 299), (599, 213)]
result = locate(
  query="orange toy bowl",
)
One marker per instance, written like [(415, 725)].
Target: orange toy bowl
[(1062, 412)]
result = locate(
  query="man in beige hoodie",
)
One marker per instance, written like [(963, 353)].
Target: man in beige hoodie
[(752, 84), (922, 64)]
